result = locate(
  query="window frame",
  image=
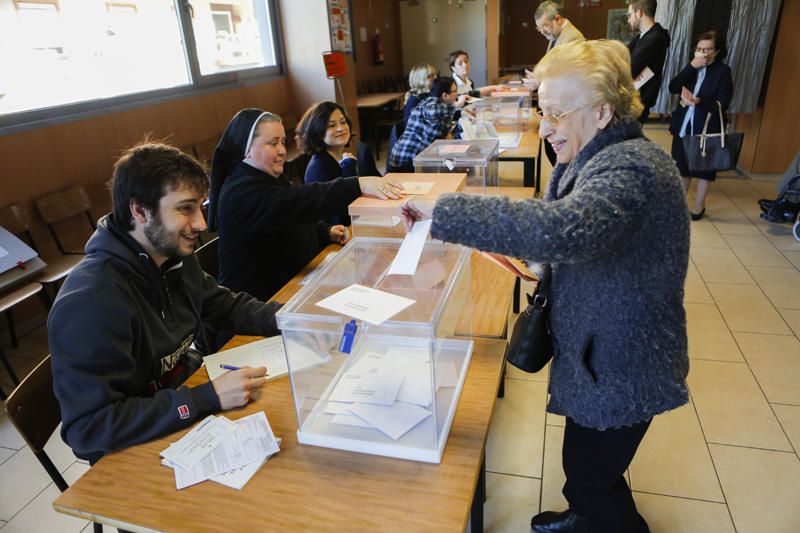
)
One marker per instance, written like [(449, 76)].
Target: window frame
[(199, 83)]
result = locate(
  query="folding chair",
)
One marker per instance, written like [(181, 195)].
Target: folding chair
[(33, 409)]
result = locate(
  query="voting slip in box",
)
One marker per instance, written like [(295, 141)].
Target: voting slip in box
[(373, 217), (476, 157), (396, 391)]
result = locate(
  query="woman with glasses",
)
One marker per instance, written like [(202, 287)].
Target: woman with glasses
[(705, 82), (614, 228)]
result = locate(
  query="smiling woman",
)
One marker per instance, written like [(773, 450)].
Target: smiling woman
[(614, 227)]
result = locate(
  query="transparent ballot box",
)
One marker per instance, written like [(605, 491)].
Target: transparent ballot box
[(395, 393), (476, 157), (513, 92), (372, 217), (500, 118)]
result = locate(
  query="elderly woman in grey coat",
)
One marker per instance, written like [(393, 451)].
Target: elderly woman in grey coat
[(614, 226)]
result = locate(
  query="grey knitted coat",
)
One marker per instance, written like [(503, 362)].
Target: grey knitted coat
[(615, 228)]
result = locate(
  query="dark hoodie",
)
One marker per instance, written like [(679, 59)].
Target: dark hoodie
[(120, 333), (649, 50)]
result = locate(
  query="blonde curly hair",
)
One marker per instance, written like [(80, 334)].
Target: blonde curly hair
[(605, 68)]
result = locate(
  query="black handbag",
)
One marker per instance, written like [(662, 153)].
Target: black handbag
[(530, 346), (712, 152)]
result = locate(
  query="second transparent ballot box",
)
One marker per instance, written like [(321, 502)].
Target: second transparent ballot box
[(372, 217), (476, 157), (514, 92), (395, 392), (501, 118)]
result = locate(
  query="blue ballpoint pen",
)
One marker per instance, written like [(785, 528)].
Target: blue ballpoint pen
[(230, 367)]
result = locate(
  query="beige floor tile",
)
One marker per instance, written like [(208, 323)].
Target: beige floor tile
[(511, 501), (775, 361), (515, 373), (553, 477), (792, 317), (789, 417), (793, 257), (6, 453), (705, 235), (745, 308), (781, 285), (756, 250), (21, 479), (9, 436), (718, 265), (516, 437), (667, 514), (59, 452), (781, 236), (556, 420), (40, 517), (673, 459), (732, 408), (762, 488), (731, 221), (709, 336), (695, 290)]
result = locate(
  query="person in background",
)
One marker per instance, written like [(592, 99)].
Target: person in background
[(122, 327), (432, 119), (704, 84), (268, 228), (460, 67), (419, 82), (614, 228), (557, 30), (324, 131), (648, 50)]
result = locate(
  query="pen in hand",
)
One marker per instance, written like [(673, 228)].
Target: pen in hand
[(232, 367)]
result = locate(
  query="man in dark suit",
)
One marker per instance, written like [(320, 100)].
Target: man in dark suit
[(648, 51)]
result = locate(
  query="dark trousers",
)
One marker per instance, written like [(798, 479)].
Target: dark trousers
[(644, 116), (595, 462)]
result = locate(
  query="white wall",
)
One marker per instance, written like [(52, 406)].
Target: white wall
[(426, 41)]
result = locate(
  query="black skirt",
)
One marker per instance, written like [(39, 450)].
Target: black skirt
[(679, 155)]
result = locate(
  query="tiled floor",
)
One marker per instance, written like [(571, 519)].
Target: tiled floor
[(727, 461)]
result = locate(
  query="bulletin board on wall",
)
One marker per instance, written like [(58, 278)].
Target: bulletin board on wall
[(340, 23)]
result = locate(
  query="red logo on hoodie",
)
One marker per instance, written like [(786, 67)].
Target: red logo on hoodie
[(183, 411)]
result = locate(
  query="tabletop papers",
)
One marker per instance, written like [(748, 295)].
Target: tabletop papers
[(221, 450), (266, 352), (364, 303), (408, 255)]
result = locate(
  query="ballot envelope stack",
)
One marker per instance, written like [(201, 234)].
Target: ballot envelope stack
[(221, 450)]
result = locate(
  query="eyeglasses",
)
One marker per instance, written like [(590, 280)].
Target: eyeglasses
[(705, 50), (554, 119)]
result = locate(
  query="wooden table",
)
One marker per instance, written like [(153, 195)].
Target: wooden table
[(377, 99), (529, 153), (306, 487)]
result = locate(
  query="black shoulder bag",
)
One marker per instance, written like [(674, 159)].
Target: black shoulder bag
[(530, 346)]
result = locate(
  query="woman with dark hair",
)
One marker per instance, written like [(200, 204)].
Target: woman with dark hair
[(324, 132), (460, 67), (268, 228), (704, 85)]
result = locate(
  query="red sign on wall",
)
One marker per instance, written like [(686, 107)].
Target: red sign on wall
[(335, 66)]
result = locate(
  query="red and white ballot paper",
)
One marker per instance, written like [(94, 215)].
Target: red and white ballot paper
[(222, 450)]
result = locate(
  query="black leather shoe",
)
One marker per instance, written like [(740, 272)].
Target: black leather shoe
[(564, 522), (699, 215), (765, 204)]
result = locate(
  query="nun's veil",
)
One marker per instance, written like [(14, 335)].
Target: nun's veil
[(230, 150)]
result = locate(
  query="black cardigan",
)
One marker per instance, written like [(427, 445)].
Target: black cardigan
[(268, 229), (717, 87)]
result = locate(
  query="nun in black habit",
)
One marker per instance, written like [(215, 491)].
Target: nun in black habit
[(269, 229)]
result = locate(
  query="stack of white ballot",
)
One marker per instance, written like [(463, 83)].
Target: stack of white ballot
[(390, 392), (221, 450)]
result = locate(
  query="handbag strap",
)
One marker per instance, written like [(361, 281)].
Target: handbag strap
[(542, 294), (721, 124)]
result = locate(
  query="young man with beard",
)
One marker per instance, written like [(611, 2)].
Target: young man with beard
[(648, 50), (123, 324)]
